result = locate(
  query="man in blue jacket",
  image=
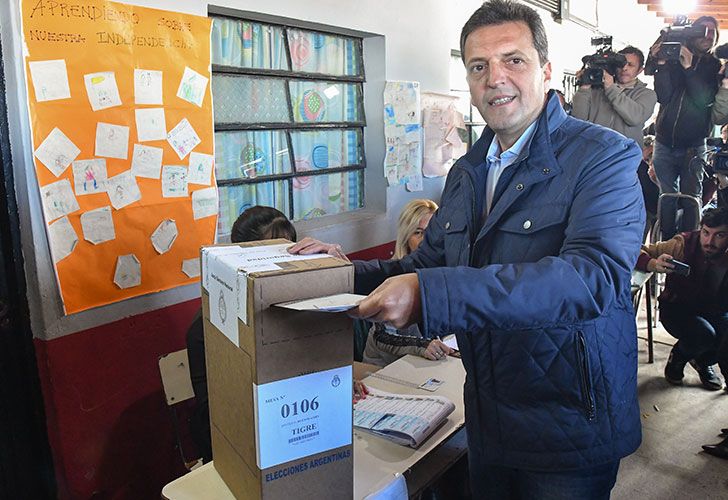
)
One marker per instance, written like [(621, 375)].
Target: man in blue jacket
[(528, 263)]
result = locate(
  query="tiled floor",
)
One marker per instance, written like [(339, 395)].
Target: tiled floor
[(670, 464)]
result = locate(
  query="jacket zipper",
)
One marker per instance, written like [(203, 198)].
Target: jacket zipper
[(679, 108), (584, 372), (472, 234)]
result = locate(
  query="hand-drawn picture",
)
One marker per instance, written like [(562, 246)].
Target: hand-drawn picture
[(98, 225), (112, 141), (183, 138), (150, 124), (192, 87), (102, 90), (50, 80), (128, 271), (146, 161), (57, 152), (200, 171), (174, 181), (147, 86), (62, 238), (89, 176), (163, 237), (123, 190), (191, 267), (204, 202), (58, 199)]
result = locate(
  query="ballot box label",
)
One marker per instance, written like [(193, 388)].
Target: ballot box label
[(223, 285), (302, 416)]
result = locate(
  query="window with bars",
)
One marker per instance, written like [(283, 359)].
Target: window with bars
[(474, 123), (289, 119)]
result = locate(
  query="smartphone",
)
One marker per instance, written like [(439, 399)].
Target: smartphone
[(680, 267)]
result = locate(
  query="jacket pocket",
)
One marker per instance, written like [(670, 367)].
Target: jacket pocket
[(587, 390), (532, 219), (457, 242)]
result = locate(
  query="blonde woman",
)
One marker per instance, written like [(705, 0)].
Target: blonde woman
[(386, 344)]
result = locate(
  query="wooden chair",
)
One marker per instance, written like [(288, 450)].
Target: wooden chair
[(174, 370)]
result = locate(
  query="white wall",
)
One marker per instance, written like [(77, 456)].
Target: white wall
[(414, 41)]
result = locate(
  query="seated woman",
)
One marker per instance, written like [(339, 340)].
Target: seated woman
[(386, 344), (256, 223)]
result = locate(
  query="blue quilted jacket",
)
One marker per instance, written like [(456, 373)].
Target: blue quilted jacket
[(538, 297)]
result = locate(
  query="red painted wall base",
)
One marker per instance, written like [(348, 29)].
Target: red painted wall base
[(109, 426)]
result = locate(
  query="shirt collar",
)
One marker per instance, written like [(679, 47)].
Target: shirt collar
[(494, 152)]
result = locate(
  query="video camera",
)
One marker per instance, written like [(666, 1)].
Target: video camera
[(677, 35), (604, 59), (719, 161)]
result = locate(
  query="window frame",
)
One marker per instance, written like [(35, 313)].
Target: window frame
[(292, 126)]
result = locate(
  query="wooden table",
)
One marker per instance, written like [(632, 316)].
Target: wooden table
[(377, 461)]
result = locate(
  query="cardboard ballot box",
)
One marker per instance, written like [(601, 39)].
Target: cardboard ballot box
[(280, 381)]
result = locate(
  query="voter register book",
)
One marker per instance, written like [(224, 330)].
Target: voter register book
[(406, 419)]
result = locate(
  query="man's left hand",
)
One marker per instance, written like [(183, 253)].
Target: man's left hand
[(396, 301), (607, 79)]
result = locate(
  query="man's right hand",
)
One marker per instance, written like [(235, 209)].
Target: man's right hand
[(686, 57), (308, 246), (661, 264)]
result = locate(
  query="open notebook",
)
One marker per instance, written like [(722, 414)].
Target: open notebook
[(406, 419)]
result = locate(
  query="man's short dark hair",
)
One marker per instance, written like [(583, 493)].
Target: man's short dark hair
[(714, 217), (496, 12), (635, 51)]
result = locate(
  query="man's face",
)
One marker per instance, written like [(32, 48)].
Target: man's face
[(706, 43), (507, 83), (628, 73), (713, 240)]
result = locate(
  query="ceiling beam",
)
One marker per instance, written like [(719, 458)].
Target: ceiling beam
[(704, 3)]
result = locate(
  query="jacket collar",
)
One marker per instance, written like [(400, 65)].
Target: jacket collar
[(541, 164), (540, 151)]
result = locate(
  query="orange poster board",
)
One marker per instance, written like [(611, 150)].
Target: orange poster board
[(121, 115)]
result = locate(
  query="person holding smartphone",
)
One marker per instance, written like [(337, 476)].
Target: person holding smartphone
[(694, 303)]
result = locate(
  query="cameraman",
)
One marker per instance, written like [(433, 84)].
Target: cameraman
[(623, 106), (694, 307), (685, 90)]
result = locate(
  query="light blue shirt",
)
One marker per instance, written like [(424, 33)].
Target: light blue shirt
[(497, 161)]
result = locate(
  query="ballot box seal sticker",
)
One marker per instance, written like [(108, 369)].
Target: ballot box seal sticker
[(302, 416)]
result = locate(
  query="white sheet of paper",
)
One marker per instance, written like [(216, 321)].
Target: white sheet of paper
[(50, 80), (183, 138), (451, 342), (112, 141), (191, 267), (98, 225), (146, 161), (62, 238), (123, 189), (174, 181), (128, 271), (57, 152), (89, 176), (204, 202), (58, 199), (200, 168), (163, 237), (102, 90), (147, 86), (150, 124), (192, 87), (331, 303)]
